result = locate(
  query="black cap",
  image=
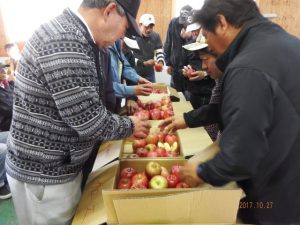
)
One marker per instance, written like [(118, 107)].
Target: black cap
[(185, 11), (131, 8)]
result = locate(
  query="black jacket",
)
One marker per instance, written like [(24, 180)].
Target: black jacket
[(260, 115), (6, 106), (173, 44)]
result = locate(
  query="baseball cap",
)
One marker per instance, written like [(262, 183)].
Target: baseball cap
[(184, 13), (147, 19), (131, 8), (200, 44), (191, 24)]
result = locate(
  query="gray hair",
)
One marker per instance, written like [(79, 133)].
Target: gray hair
[(102, 4)]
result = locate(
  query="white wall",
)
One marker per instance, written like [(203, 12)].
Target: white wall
[(196, 4), (22, 17)]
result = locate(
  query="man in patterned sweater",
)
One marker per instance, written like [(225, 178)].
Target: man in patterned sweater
[(59, 112)]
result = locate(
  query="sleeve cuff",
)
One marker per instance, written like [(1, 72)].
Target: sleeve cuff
[(200, 172)]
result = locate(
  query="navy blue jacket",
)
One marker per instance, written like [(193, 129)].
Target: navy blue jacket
[(260, 118)]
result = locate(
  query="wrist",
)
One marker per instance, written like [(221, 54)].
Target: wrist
[(200, 172)]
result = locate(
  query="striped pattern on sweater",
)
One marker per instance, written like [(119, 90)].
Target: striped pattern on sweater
[(58, 104)]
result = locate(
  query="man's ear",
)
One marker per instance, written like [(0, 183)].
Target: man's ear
[(223, 25), (109, 8)]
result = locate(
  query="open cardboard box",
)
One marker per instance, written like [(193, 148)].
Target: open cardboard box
[(157, 96), (127, 149), (203, 205)]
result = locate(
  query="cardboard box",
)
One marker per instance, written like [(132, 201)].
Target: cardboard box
[(205, 205), (127, 150)]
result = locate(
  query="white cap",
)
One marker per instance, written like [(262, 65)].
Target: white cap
[(192, 27), (147, 19), (198, 45)]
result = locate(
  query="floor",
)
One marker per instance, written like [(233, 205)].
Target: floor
[(7, 213)]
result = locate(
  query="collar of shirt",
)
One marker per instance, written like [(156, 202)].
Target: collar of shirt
[(82, 19)]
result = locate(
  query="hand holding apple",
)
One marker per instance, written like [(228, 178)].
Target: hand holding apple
[(189, 170), (150, 62), (141, 127), (143, 89), (158, 67)]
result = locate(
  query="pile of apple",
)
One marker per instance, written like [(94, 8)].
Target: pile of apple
[(158, 110), (159, 91), (155, 176), (156, 145)]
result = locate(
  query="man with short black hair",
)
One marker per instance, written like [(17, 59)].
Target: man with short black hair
[(260, 111), (59, 108)]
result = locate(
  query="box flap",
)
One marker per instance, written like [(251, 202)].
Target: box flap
[(90, 210), (193, 140), (203, 206)]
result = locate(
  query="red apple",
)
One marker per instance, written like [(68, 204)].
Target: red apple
[(172, 180), (164, 171), (153, 168), (150, 147), (141, 152), (155, 114), (143, 114), (152, 139), (161, 137), (165, 114), (170, 139), (138, 143), (161, 152), (157, 105), (149, 105), (172, 154), (175, 169), (152, 154), (140, 178), (158, 182), (128, 172), (124, 183), (140, 104), (182, 185), (190, 72), (138, 186), (158, 67)]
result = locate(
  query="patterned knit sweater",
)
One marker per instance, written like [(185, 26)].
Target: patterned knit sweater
[(58, 110)]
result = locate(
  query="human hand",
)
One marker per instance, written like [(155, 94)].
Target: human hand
[(172, 124), (189, 172), (141, 127), (143, 80), (169, 70), (143, 89), (150, 62), (185, 70), (131, 106), (197, 75)]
